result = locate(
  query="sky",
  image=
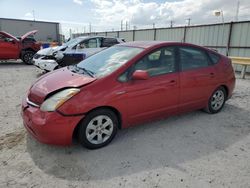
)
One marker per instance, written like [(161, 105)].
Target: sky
[(106, 15)]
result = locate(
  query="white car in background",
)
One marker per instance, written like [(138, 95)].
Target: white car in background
[(72, 52)]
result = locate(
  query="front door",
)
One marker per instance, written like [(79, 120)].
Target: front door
[(8, 48), (158, 95)]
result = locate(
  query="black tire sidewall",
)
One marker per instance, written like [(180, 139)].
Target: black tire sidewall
[(25, 53), (83, 125), (210, 109)]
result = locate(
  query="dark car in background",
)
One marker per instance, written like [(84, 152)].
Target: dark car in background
[(72, 52)]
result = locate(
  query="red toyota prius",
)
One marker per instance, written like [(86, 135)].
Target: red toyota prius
[(125, 85)]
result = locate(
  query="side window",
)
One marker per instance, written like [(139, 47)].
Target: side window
[(107, 42), (214, 57), (3, 38), (158, 62), (192, 58), (92, 43), (155, 56)]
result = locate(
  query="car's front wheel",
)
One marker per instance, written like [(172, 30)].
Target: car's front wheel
[(27, 57), (216, 101), (98, 128)]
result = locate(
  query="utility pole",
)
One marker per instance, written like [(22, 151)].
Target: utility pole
[(237, 11), (153, 25), (189, 21), (33, 12), (126, 24), (89, 27), (171, 23), (121, 25), (70, 33)]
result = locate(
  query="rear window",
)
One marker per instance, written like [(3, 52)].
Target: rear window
[(192, 58), (214, 57)]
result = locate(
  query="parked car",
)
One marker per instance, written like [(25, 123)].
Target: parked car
[(18, 48), (72, 52), (124, 85)]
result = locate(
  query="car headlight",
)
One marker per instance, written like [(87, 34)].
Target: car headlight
[(56, 100), (54, 53)]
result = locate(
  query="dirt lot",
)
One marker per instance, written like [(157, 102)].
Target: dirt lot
[(191, 150)]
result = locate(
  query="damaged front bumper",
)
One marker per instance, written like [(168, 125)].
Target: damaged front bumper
[(44, 63)]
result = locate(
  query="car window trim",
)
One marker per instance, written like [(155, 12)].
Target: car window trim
[(131, 67), (198, 48)]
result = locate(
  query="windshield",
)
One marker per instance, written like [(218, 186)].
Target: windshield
[(73, 42), (109, 60)]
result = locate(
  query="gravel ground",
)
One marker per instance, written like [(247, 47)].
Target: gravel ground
[(190, 150)]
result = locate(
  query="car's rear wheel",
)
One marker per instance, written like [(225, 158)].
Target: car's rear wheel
[(216, 101), (27, 57), (98, 129)]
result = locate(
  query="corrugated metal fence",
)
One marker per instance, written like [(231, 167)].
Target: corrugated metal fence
[(229, 38)]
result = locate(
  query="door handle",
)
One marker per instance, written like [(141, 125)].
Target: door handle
[(172, 82), (211, 74), (168, 83)]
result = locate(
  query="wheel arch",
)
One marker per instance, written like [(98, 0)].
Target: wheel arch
[(117, 113), (24, 50), (226, 89)]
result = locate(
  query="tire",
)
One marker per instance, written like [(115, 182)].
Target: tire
[(27, 57), (216, 101), (98, 129)]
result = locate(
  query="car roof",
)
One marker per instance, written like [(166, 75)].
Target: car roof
[(148, 44), (97, 36), (151, 44)]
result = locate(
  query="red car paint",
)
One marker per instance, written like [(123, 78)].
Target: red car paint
[(136, 101), (13, 49)]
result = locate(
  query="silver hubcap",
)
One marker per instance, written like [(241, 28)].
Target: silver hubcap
[(99, 129), (217, 100)]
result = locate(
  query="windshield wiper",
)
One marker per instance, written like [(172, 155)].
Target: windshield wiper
[(90, 73)]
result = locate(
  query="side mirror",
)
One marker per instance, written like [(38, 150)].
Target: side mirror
[(140, 75)]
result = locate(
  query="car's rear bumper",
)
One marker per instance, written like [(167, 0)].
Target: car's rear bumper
[(45, 64), (49, 127)]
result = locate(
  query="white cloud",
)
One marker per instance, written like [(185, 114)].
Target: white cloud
[(79, 2), (28, 14), (144, 14)]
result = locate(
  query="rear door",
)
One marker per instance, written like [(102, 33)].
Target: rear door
[(157, 96), (9, 48), (197, 77)]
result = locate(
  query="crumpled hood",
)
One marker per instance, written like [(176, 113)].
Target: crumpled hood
[(50, 50), (56, 80)]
